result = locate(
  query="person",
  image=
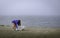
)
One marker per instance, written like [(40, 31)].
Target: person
[(16, 23)]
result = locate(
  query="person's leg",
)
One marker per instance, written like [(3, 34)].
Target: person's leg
[(16, 27)]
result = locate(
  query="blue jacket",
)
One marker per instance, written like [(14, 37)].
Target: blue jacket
[(15, 22)]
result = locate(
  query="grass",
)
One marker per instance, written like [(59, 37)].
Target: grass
[(7, 32)]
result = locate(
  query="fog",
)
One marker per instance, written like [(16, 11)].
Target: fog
[(29, 7)]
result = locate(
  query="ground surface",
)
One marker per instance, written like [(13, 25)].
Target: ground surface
[(7, 32)]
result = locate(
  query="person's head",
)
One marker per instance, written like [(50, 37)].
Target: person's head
[(19, 22)]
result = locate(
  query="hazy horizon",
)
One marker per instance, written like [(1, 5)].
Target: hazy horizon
[(39, 21)]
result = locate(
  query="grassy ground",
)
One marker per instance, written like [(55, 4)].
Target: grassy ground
[(7, 32)]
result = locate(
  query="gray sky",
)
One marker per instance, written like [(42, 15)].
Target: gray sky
[(29, 7)]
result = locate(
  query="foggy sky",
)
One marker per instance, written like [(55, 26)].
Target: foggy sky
[(29, 7)]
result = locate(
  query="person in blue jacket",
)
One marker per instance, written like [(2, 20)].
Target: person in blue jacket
[(16, 23)]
